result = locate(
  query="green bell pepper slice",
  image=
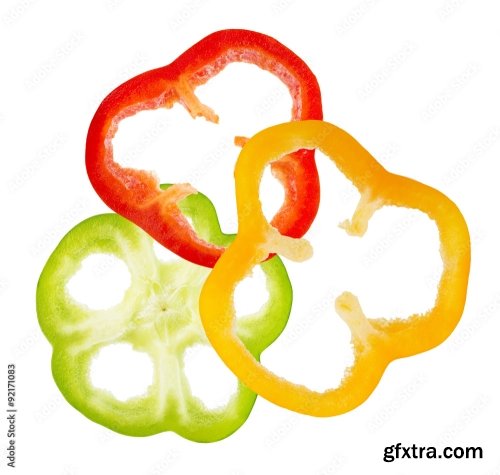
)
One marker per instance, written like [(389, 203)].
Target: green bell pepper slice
[(158, 315)]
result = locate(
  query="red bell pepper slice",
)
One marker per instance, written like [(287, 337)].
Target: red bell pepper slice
[(136, 194)]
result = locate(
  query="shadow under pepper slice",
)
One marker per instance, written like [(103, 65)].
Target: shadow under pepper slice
[(158, 316), (376, 342), (135, 194)]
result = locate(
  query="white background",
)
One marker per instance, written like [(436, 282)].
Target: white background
[(415, 82)]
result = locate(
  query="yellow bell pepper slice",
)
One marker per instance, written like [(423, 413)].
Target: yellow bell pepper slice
[(376, 342)]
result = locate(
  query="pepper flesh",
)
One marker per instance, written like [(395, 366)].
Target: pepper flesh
[(376, 342), (157, 316), (135, 194)]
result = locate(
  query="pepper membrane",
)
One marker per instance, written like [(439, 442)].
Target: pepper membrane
[(158, 316), (135, 194), (376, 342)]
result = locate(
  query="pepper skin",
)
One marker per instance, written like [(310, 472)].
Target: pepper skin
[(158, 316), (376, 342), (135, 194)]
